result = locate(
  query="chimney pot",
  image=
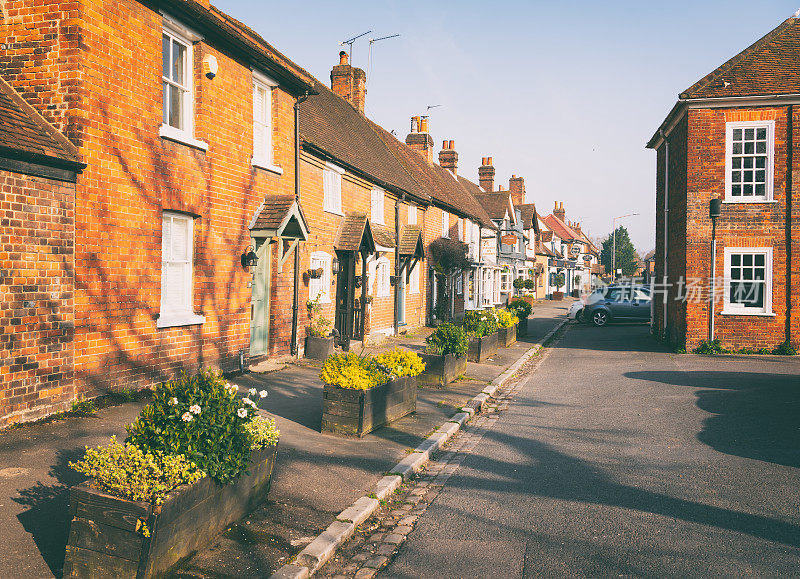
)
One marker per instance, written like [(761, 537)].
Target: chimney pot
[(423, 125), (444, 144), (488, 160), (453, 145), (342, 57)]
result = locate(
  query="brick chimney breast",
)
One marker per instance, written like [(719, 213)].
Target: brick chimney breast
[(559, 211), (448, 157), (349, 82), (486, 175), (419, 139), (517, 187)]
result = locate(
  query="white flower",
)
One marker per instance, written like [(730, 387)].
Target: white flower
[(187, 417), (194, 409), (249, 402), (252, 392), (173, 401), (242, 412), (263, 394)]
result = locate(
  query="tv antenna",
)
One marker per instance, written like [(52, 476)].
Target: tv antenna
[(369, 54), (350, 42), (432, 107)]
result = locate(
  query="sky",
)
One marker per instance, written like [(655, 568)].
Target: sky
[(564, 94)]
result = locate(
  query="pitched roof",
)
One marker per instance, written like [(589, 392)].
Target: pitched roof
[(560, 228), (528, 212), (770, 66), (281, 215), (26, 135), (495, 204), (410, 238), (382, 235), (330, 124), (354, 229)]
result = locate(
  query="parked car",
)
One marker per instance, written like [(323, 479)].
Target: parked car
[(576, 311), (621, 303)]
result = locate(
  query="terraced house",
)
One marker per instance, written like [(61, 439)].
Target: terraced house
[(184, 120), (731, 139)]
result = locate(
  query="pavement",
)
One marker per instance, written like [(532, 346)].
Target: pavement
[(616, 457), (316, 476)]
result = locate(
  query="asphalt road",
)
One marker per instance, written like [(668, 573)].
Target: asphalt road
[(618, 458)]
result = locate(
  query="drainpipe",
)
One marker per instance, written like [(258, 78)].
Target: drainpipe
[(789, 224), (666, 220), (295, 297), (397, 272)]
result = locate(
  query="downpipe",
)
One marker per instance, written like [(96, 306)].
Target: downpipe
[(295, 290)]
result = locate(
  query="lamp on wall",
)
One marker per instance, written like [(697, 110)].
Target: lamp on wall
[(335, 266), (249, 258), (714, 211)]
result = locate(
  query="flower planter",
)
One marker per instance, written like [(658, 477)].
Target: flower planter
[(103, 536), (507, 336), (522, 327), (358, 412), (482, 348), (558, 296), (441, 370), (318, 348)]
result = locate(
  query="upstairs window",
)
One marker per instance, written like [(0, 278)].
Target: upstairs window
[(461, 230), (332, 189), (412, 215), (445, 224), (262, 120), (176, 83), (749, 162), (376, 205)]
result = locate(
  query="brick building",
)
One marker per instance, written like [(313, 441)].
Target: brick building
[(184, 119), (731, 137), (38, 169)]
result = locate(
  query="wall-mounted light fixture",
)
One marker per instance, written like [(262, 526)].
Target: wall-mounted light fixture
[(210, 66), (249, 258), (335, 266), (714, 211)]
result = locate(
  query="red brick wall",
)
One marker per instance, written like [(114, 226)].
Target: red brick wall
[(37, 221)]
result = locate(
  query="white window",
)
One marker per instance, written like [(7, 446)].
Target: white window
[(320, 287), (461, 229), (376, 205), (505, 281), (412, 215), (467, 231), (383, 288), (460, 284), (748, 280), (496, 287), (413, 286), (445, 224), (177, 248), (749, 161), (262, 120), (332, 188), (176, 82)]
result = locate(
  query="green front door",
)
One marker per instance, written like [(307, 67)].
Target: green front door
[(259, 307)]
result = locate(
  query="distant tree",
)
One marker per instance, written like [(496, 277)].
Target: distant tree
[(626, 258)]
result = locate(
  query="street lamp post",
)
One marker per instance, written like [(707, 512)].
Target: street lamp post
[(614, 245)]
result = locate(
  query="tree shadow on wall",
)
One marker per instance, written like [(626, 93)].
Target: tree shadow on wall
[(47, 517)]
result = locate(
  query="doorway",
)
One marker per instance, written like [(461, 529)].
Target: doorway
[(259, 304)]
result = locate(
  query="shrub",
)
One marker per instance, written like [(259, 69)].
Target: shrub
[(519, 283), (479, 323), (398, 363), (201, 417), (262, 432), (128, 472), (558, 280), (320, 327), (785, 349), (520, 307), (529, 284), (712, 347), (506, 318), (351, 371), (447, 339)]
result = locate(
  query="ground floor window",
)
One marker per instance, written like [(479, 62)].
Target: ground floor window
[(748, 280)]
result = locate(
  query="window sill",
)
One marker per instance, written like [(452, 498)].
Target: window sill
[(267, 166), (178, 136), (748, 202), (177, 320), (749, 314), (339, 213)]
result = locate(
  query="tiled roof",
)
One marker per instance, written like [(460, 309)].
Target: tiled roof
[(330, 124), (382, 235), (26, 135), (651, 255), (560, 228), (547, 236), (410, 237), (495, 204), (770, 66), (273, 211), (354, 227), (529, 217)]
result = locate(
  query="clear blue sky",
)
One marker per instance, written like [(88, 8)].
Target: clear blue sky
[(564, 94)]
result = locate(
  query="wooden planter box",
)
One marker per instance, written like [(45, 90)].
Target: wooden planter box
[(441, 370), (482, 348), (558, 296), (522, 327), (103, 537), (359, 412), (318, 348), (507, 336)]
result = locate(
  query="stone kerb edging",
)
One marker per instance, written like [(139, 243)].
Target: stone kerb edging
[(323, 547)]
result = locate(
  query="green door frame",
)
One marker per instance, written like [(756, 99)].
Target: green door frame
[(259, 337)]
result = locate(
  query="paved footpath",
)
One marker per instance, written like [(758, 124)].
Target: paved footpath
[(618, 458)]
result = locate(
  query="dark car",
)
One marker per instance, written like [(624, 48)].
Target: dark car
[(620, 303)]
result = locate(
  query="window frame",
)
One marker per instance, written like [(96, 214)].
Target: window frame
[(412, 210), (265, 160), (382, 273), (377, 205), (736, 309), (445, 224), (320, 286), (770, 168), (170, 316), (413, 283), (332, 174)]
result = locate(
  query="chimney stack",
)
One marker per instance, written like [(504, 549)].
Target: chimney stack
[(419, 139), (448, 158), (559, 211), (349, 82), (486, 175), (517, 187)]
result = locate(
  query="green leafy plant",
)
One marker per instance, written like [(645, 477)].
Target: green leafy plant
[(521, 308), (398, 362), (262, 432), (83, 407), (447, 339), (518, 283), (558, 280), (479, 323), (320, 326), (529, 284), (128, 472), (441, 311), (352, 371), (710, 348), (506, 318), (201, 417), (785, 349)]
